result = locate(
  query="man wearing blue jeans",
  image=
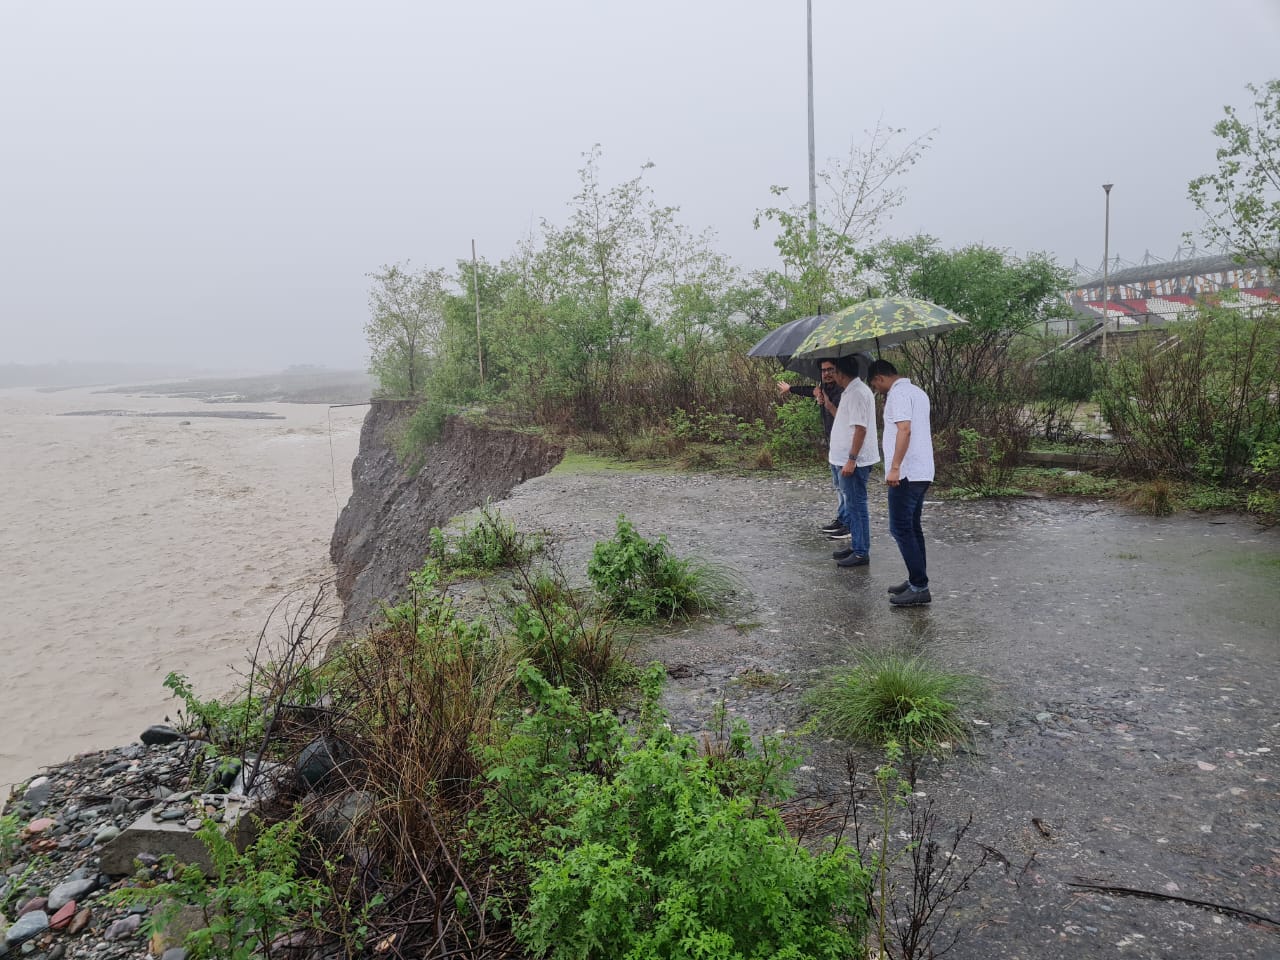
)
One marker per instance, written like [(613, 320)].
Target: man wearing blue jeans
[(852, 453), (908, 458), (827, 394)]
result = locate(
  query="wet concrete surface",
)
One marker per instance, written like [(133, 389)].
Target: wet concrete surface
[(1127, 734)]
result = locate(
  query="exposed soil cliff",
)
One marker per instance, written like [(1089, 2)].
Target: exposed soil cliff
[(382, 533)]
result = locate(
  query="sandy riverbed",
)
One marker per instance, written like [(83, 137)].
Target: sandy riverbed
[(134, 546)]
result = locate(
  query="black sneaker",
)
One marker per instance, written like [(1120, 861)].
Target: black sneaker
[(853, 560), (841, 534), (832, 527), (912, 598), (902, 587), (841, 554)]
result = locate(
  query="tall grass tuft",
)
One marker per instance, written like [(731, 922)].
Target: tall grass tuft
[(892, 697)]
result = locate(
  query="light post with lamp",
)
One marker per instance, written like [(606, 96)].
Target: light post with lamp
[(1106, 263)]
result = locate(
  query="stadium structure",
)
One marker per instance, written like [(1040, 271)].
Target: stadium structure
[(1156, 292)]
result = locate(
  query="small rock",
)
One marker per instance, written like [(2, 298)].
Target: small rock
[(159, 733), (63, 917), (195, 823), (80, 921), (57, 951), (174, 953), (38, 792), (40, 825), (27, 927), (317, 762), (106, 834), (35, 903), (70, 890), (124, 927)]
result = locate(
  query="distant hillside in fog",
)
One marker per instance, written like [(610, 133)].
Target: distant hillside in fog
[(90, 374)]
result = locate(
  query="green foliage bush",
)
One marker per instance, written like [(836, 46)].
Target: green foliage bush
[(489, 544), (252, 899), (657, 850), (797, 438), (229, 723), (1200, 408), (417, 433), (640, 580), (10, 832)]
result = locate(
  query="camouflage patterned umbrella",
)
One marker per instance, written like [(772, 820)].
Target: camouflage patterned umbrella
[(878, 323)]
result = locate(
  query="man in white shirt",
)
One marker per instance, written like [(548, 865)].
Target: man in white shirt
[(852, 453), (908, 470)]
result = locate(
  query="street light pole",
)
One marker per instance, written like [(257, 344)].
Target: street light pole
[(813, 170), (1106, 263)]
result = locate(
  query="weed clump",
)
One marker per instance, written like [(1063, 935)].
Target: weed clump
[(489, 544), (890, 697), (640, 580)]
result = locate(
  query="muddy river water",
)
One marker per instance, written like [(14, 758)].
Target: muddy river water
[(1128, 732)]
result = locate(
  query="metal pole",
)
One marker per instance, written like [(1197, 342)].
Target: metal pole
[(1106, 263), (813, 170), (475, 281)]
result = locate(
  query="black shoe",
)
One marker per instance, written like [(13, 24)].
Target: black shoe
[(853, 560), (912, 598), (902, 587), (841, 554), (832, 527), (841, 534)]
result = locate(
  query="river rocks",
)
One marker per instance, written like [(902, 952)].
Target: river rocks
[(26, 927), (158, 734), (318, 762), (75, 809), (38, 792), (64, 893), (126, 926), (62, 918)]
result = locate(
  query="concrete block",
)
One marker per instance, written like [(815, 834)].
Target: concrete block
[(177, 837)]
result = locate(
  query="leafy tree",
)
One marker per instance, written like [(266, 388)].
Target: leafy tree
[(1242, 198), (822, 263), (972, 376), (404, 326)]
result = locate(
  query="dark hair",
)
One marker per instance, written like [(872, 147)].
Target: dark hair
[(847, 365), (881, 368)]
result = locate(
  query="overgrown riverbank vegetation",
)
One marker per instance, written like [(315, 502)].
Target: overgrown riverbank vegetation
[(625, 333), (498, 780), (493, 778)]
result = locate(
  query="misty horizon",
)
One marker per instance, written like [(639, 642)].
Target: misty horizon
[(210, 187)]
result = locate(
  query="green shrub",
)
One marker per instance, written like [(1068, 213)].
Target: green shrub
[(252, 899), (798, 434), (417, 433), (552, 632), (1207, 497), (10, 833), (890, 697), (228, 723), (491, 543), (640, 580), (657, 850)]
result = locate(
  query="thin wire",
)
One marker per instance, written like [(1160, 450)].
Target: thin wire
[(333, 465)]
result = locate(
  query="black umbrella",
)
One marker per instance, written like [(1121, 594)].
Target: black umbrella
[(782, 342)]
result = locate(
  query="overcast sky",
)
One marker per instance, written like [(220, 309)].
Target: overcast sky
[(211, 182)]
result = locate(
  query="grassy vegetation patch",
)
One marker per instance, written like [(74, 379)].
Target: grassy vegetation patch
[(894, 697)]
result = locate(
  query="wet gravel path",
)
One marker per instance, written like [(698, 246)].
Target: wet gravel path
[(1128, 735)]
